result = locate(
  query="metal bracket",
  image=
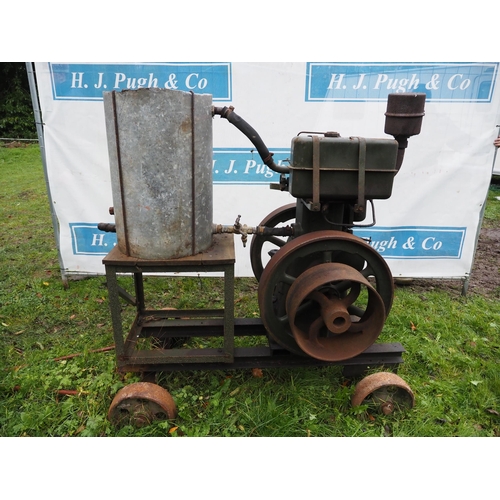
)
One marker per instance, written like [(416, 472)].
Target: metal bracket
[(316, 205), (360, 206)]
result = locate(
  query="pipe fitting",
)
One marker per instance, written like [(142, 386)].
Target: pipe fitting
[(251, 133)]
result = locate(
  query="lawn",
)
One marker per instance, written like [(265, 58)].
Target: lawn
[(59, 376)]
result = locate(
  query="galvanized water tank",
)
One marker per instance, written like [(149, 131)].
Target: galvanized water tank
[(160, 154)]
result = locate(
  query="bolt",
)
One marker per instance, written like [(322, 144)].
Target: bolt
[(387, 408)]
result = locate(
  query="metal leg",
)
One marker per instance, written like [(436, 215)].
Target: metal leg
[(139, 292), (465, 286), (114, 305), (229, 313)]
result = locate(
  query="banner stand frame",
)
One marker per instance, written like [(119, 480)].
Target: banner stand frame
[(41, 142), (480, 224)]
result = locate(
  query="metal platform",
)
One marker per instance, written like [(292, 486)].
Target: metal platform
[(171, 329)]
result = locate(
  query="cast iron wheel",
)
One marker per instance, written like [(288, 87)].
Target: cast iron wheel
[(140, 403), (305, 252), (319, 305), (386, 391), (269, 243)]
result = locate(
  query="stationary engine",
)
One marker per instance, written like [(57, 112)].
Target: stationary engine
[(323, 291), (324, 294)]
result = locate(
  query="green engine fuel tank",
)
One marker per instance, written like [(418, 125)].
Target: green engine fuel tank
[(340, 161)]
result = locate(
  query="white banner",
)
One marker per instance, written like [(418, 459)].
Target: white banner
[(428, 227)]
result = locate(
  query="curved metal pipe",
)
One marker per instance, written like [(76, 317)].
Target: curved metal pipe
[(267, 157)]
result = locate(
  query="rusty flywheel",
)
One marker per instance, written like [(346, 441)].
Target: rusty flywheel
[(325, 294), (262, 245), (320, 312)]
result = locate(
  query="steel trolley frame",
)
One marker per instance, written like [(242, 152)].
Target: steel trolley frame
[(166, 325)]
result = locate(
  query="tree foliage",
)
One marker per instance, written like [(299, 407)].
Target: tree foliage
[(16, 109)]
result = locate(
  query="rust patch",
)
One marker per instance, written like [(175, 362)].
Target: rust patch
[(185, 126)]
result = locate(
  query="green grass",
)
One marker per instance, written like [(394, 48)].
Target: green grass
[(492, 213), (451, 362)]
